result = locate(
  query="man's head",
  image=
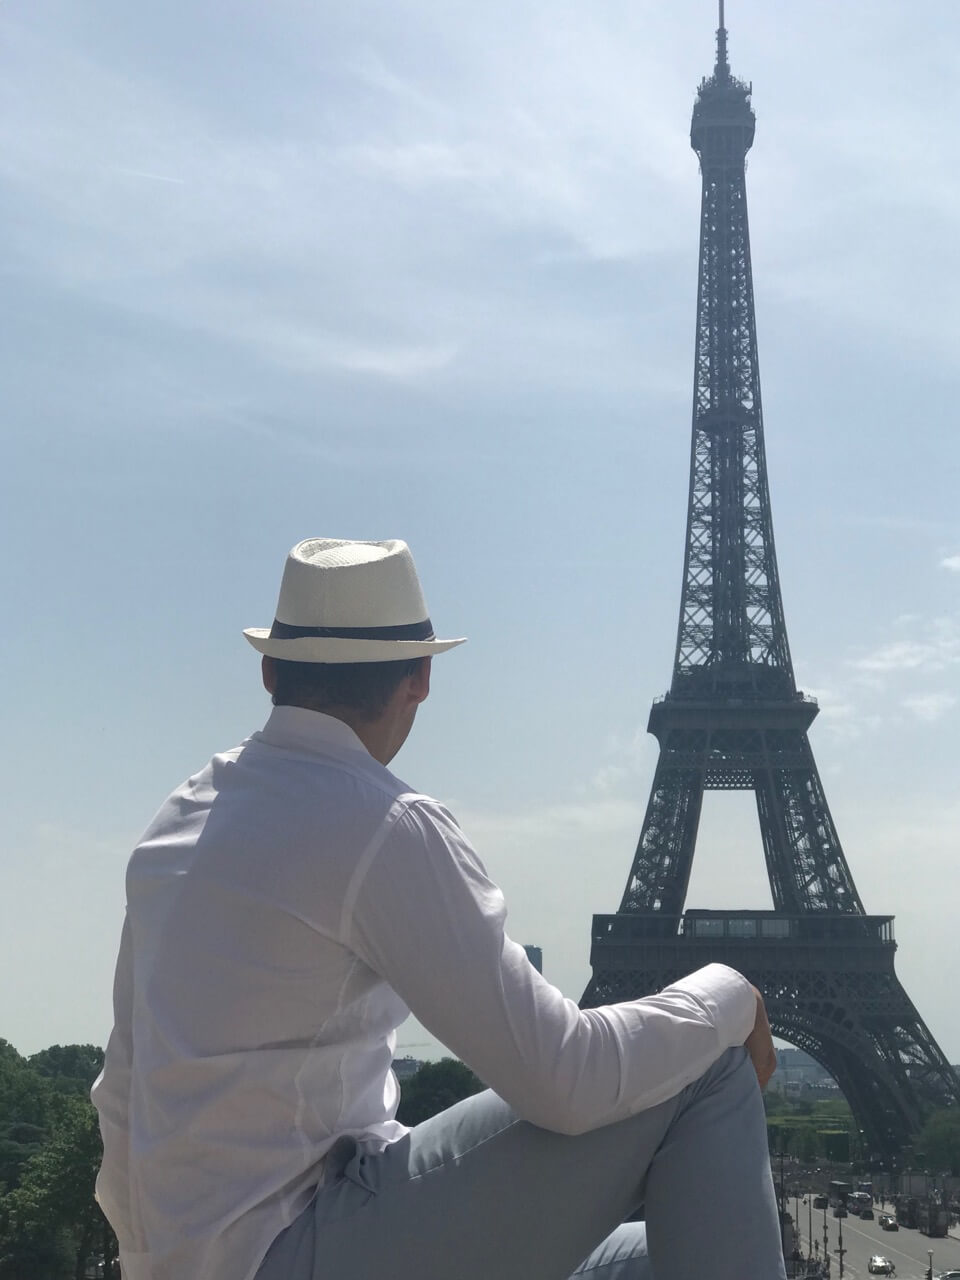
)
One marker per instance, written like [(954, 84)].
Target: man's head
[(378, 700), (362, 688), (352, 638)]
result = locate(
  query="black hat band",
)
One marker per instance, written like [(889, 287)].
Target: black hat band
[(407, 631)]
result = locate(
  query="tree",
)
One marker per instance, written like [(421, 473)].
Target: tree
[(808, 1147), (50, 1224), (26, 1114), (939, 1139), (436, 1086), (18, 1142), (836, 1145), (50, 1151), (72, 1067)]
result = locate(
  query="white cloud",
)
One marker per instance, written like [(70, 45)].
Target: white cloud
[(951, 562), (929, 706), (298, 346), (628, 761), (604, 814), (858, 703), (936, 650), (420, 163), (900, 655), (840, 715)]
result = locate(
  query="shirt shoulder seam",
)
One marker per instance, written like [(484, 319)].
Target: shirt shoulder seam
[(400, 805)]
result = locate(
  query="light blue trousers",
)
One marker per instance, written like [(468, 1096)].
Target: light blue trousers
[(476, 1194)]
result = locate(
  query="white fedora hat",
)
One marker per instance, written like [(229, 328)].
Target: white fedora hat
[(343, 601)]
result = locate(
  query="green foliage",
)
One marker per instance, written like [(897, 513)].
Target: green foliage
[(72, 1067), (836, 1144), (18, 1142), (27, 1111), (775, 1104), (834, 1107), (939, 1139), (50, 1151), (809, 1129), (436, 1086), (807, 1147), (24, 1095)]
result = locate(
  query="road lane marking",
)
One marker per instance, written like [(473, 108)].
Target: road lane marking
[(888, 1249)]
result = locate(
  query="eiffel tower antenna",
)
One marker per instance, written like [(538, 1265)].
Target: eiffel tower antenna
[(733, 719), (723, 67)]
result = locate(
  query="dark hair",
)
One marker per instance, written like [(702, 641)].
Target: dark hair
[(362, 687)]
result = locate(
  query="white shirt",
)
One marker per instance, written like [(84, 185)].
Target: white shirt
[(286, 908)]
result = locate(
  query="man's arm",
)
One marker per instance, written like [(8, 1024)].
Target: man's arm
[(428, 919)]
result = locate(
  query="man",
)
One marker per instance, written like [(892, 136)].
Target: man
[(286, 908)]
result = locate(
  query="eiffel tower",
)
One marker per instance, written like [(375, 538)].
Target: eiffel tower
[(734, 720)]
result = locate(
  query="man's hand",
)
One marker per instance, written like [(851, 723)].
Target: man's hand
[(759, 1044)]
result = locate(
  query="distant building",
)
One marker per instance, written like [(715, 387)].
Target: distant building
[(404, 1068), (799, 1075), (535, 956)]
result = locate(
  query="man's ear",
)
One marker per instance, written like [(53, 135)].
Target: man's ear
[(420, 680), (268, 673)]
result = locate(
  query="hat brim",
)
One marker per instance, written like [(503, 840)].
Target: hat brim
[(338, 649)]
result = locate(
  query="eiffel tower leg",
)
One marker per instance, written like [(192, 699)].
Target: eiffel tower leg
[(885, 1113), (892, 1073), (845, 1006), (661, 866), (805, 861)]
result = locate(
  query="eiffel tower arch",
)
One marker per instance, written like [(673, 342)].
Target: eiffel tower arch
[(734, 719)]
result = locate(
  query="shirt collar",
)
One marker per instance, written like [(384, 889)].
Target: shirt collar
[(298, 727)]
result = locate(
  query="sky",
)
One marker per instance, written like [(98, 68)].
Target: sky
[(403, 268)]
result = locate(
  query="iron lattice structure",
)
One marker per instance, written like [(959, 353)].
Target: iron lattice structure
[(734, 720)]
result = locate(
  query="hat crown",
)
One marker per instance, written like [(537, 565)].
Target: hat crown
[(345, 601), (334, 582)]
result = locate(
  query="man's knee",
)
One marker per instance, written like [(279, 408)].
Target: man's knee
[(732, 1073)]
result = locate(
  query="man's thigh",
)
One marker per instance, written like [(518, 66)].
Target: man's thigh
[(521, 1200), (476, 1193), (473, 1193)]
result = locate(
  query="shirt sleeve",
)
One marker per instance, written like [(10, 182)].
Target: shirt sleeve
[(428, 919)]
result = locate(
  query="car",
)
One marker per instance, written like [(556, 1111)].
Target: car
[(880, 1266), (820, 1202), (888, 1222), (949, 1275), (867, 1213)]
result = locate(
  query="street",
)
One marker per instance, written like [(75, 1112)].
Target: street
[(906, 1248)]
